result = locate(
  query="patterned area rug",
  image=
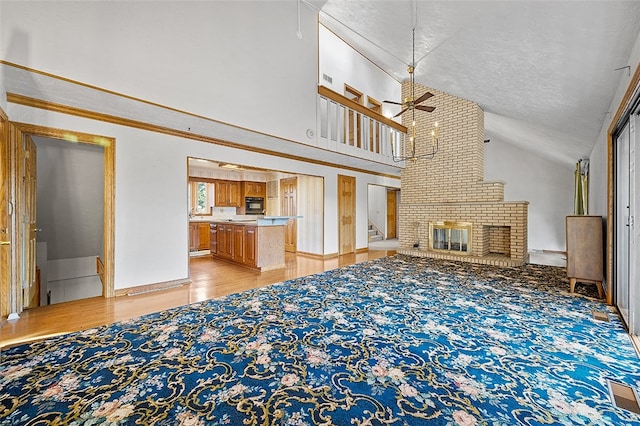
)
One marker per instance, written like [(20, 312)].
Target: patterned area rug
[(395, 341)]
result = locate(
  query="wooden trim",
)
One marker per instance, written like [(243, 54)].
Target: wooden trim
[(337, 97), (109, 145), (203, 179), (362, 250), (147, 288), (310, 255), (107, 118), (100, 269), (624, 103), (555, 252)]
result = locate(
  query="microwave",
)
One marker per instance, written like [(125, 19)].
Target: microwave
[(254, 205)]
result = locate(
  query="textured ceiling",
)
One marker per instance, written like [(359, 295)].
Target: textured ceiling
[(543, 71)]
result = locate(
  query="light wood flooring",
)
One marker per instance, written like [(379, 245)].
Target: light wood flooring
[(209, 279)]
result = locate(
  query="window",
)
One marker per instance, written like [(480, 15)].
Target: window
[(200, 198)]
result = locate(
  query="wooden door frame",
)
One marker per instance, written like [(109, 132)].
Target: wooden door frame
[(109, 145)]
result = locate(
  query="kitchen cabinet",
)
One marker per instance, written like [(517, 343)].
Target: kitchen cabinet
[(203, 236), (225, 240), (213, 238), (259, 247), (198, 236), (227, 193), (250, 245), (194, 236), (254, 189), (238, 243)]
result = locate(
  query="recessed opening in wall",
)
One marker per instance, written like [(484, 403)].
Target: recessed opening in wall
[(450, 236), (499, 239)]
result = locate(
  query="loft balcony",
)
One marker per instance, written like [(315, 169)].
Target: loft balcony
[(347, 127)]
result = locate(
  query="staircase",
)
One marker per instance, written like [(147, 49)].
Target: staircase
[(374, 233)]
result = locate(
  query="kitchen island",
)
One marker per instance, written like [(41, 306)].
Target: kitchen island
[(257, 243)]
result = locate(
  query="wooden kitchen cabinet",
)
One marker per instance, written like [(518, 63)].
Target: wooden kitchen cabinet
[(225, 240), (194, 237), (250, 247), (213, 238), (584, 251), (259, 247), (254, 189), (227, 193), (198, 236), (203, 236), (238, 243)]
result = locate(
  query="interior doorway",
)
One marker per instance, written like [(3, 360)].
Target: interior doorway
[(22, 218), (70, 226), (382, 216)]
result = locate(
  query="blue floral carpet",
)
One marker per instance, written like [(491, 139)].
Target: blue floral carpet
[(395, 341)]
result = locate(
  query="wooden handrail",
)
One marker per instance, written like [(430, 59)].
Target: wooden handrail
[(343, 100)]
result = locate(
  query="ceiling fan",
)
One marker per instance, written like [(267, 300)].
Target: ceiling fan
[(411, 103)]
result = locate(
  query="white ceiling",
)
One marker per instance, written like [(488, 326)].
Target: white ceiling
[(543, 71)]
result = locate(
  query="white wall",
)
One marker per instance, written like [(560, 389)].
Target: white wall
[(239, 62), (545, 183), (598, 158), (151, 200), (344, 65)]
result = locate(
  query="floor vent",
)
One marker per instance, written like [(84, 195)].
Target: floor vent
[(600, 315), (624, 396)]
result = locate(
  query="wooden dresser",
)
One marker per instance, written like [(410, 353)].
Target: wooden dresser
[(584, 251)]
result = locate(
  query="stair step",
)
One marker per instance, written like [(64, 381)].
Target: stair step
[(376, 238)]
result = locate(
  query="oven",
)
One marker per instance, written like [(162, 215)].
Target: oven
[(254, 205)]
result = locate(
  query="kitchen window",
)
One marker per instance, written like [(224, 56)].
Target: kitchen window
[(200, 198)]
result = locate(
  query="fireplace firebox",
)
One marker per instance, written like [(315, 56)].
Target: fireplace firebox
[(450, 237)]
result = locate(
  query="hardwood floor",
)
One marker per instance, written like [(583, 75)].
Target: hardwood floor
[(209, 279)]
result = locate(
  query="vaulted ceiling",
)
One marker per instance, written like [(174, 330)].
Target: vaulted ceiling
[(545, 72)]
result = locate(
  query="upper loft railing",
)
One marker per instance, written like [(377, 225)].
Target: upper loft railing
[(347, 127)]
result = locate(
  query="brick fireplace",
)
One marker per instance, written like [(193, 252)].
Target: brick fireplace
[(450, 189)]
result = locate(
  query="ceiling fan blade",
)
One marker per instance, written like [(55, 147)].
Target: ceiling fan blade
[(425, 108), (392, 102), (400, 113), (424, 97)]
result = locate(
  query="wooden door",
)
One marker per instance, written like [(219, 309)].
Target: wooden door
[(5, 218), (288, 197), (31, 291), (346, 214), (392, 206), (353, 119)]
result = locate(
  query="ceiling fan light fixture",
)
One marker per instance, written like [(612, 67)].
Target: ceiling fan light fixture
[(411, 103)]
